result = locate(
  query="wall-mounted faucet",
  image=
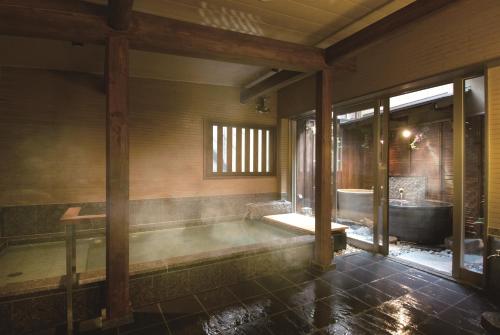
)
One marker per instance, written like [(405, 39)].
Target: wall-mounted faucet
[(495, 255), (401, 193)]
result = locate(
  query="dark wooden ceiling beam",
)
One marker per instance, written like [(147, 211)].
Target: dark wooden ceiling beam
[(381, 28), (270, 84), (120, 14), (154, 33)]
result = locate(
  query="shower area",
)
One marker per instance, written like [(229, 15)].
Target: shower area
[(409, 175)]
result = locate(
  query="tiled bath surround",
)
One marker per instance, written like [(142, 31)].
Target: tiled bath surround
[(414, 187), (150, 283), (41, 222)]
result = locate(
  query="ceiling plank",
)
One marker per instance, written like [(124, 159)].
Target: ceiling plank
[(379, 29), (120, 14), (362, 38), (157, 34)]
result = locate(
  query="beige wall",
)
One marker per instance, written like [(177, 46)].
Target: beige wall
[(52, 137), (462, 34)]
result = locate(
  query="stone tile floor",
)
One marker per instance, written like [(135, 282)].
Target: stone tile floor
[(366, 294)]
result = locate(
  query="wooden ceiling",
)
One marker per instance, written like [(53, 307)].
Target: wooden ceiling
[(300, 21), (307, 22)]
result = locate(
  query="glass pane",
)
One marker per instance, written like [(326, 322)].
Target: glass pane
[(474, 174), (214, 148), (267, 151), (355, 173), (224, 149), (259, 150), (243, 151), (233, 149), (421, 178), (306, 130), (251, 150)]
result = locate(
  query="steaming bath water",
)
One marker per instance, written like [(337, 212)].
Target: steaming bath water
[(43, 260)]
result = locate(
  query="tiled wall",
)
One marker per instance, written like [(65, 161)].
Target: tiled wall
[(414, 187), (18, 222)]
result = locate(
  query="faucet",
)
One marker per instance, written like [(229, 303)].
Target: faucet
[(496, 254), (401, 194)]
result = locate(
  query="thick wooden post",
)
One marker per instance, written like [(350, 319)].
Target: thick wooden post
[(117, 179), (323, 252)]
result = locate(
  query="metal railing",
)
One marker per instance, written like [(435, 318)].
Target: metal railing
[(71, 219)]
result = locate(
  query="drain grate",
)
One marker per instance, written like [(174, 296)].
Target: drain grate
[(15, 274)]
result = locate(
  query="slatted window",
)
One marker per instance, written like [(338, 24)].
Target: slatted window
[(232, 150)]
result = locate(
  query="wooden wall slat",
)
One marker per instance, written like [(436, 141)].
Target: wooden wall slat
[(219, 150), (238, 150), (229, 149), (272, 152), (255, 151), (247, 150), (264, 151)]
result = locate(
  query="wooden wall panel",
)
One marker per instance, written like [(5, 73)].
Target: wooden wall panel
[(493, 96), (52, 127)]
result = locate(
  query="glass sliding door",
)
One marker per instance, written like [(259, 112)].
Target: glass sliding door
[(470, 144), (357, 157)]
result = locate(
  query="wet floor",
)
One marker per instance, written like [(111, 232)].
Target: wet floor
[(366, 295)]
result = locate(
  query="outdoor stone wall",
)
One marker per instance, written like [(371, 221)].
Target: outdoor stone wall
[(414, 187)]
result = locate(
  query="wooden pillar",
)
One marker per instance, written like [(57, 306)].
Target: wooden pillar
[(117, 179), (323, 251)]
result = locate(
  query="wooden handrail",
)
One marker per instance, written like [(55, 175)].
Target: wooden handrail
[(71, 216)]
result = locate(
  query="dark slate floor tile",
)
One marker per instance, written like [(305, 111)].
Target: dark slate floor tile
[(380, 269), (360, 260), (390, 287), (424, 303), (362, 275), (442, 294), (247, 289), (395, 265), (409, 281), (339, 308), (264, 306), (477, 304), (181, 307), (228, 318), (190, 325), (369, 295), (158, 329), (274, 282), (216, 298), (299, 276), (378, 322), (340, 280), (255, 328), (319, 288), (288, 323), (299, 295), (349, 327), (144, 317), (343, 266), (454, 286), (423, 275), (462, 319), (406, 313), (433, 326)]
